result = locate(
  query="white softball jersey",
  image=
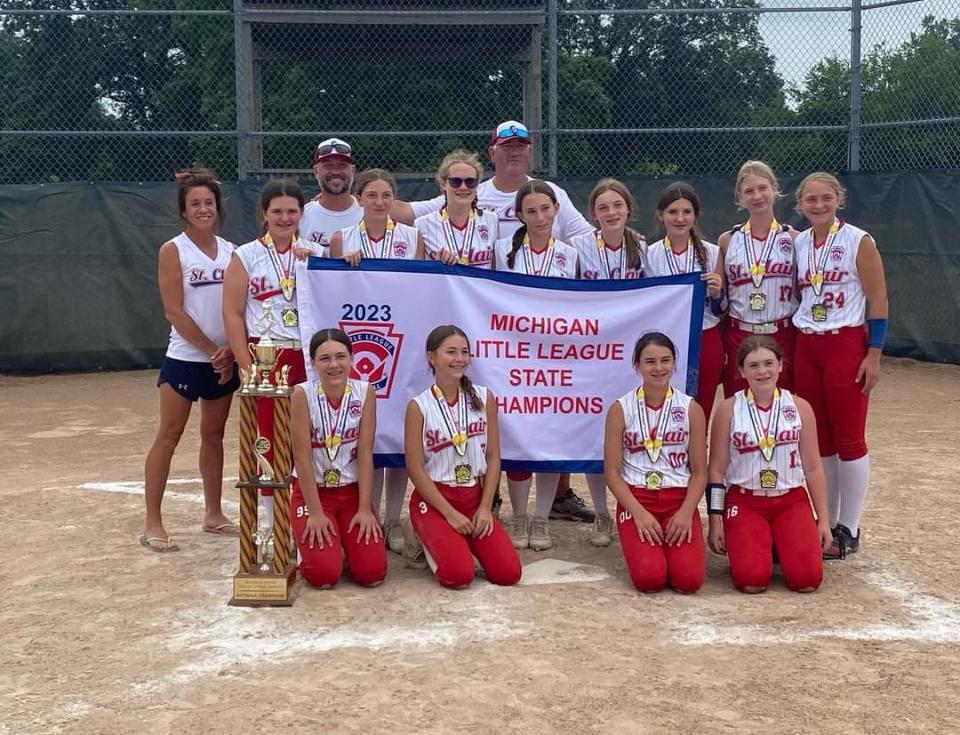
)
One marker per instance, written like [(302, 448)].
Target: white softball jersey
[(599, 261), (558, 260), (568, 224), (841, 301), (319, 224), (346, 421), (202, 279), (400, 244), (778, 293), (671, 425), (474, 242), (265, 267), (440, 422), (662, 261), (748, 467)]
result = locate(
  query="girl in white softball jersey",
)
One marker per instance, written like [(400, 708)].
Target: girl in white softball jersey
[(683, 250), (655, 462), (378, 236), (452, 449), (533, 251), (333, 421), (611, 252), (460, 233), (763, 449)]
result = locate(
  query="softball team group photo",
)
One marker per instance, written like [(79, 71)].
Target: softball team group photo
[(793, 327)]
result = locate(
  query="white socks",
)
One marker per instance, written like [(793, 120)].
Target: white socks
[(831, 469), (395, 479), (854, 480), (519, 495), (546, 492), (598, 493)]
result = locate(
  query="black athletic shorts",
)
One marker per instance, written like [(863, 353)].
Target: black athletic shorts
[(196, 380)]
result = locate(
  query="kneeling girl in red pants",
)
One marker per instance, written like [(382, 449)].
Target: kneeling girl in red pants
[(655, 463), (763, 449), (452, 448), (333, 422)]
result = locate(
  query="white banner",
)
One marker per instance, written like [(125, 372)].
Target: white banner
[(556, 353)]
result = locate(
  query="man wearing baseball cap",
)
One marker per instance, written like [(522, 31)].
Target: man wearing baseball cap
[(334, 208), (510, 153)]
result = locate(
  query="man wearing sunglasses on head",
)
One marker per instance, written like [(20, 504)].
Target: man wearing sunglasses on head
[(511, 155), (334, 208)]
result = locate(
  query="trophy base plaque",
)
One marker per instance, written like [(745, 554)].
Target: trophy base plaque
[(264, 589)]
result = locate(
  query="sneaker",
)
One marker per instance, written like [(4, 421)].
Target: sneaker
[(519, 531), (570, 507), (844, 543), (497, 504), (393, 536), (540, 535), (413, 554), (602, 530)]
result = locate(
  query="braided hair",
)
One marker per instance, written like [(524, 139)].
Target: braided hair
[(673, 193), (534, 186), (435, 339)]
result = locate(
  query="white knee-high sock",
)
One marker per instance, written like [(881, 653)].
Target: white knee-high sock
[(598, 493), (831, 469), (519, 495), (546, 492), (395, 480), (377, 491), (854, 481)]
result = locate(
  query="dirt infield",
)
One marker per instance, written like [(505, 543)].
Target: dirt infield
[(100, 635)]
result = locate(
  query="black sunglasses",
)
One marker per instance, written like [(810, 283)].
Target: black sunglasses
[(457, 181)]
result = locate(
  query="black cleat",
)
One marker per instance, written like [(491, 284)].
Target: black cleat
[(570, 507), (844, 543)]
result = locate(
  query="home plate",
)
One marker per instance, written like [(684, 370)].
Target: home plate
[(556, 571)]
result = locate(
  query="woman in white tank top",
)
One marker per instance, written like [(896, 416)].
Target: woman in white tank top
[(763, 449), (199, 364)]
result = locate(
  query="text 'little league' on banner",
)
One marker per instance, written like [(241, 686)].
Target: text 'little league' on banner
[(556, 353)]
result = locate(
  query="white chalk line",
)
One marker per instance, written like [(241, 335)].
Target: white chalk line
[(930, 620), (135, 487)]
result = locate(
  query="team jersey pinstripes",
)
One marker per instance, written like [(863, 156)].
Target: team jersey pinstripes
[(403, 244), (746, 459), (345, 460), (440, 458), (657, 264), (558, 261), (672, 466), (601, 263), (202, 279), (779, 284), (480, 234), (842, 294), (264, 287)]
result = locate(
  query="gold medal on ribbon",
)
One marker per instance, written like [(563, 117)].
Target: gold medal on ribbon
[(819, 312), (333, 424), (653, 480), (766, 435), (464, 260), (816, 280), (653, 439), (289, 317), (768, 479), (758, 300), (331, 477), (757, 262), (463, 474)]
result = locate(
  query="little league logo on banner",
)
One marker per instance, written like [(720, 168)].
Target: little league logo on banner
[(556, 353)]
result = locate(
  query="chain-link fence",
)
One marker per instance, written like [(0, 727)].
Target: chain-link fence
[(131, 90)]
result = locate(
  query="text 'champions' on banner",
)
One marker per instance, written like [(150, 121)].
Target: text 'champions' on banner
[(555, 352)]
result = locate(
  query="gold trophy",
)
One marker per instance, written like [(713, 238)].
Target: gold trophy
[(267, 554)]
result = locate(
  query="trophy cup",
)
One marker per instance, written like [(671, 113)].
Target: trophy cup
[(267, 554)]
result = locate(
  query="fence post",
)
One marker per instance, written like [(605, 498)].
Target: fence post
[(240, 87), (853, 136), (554, 61)]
